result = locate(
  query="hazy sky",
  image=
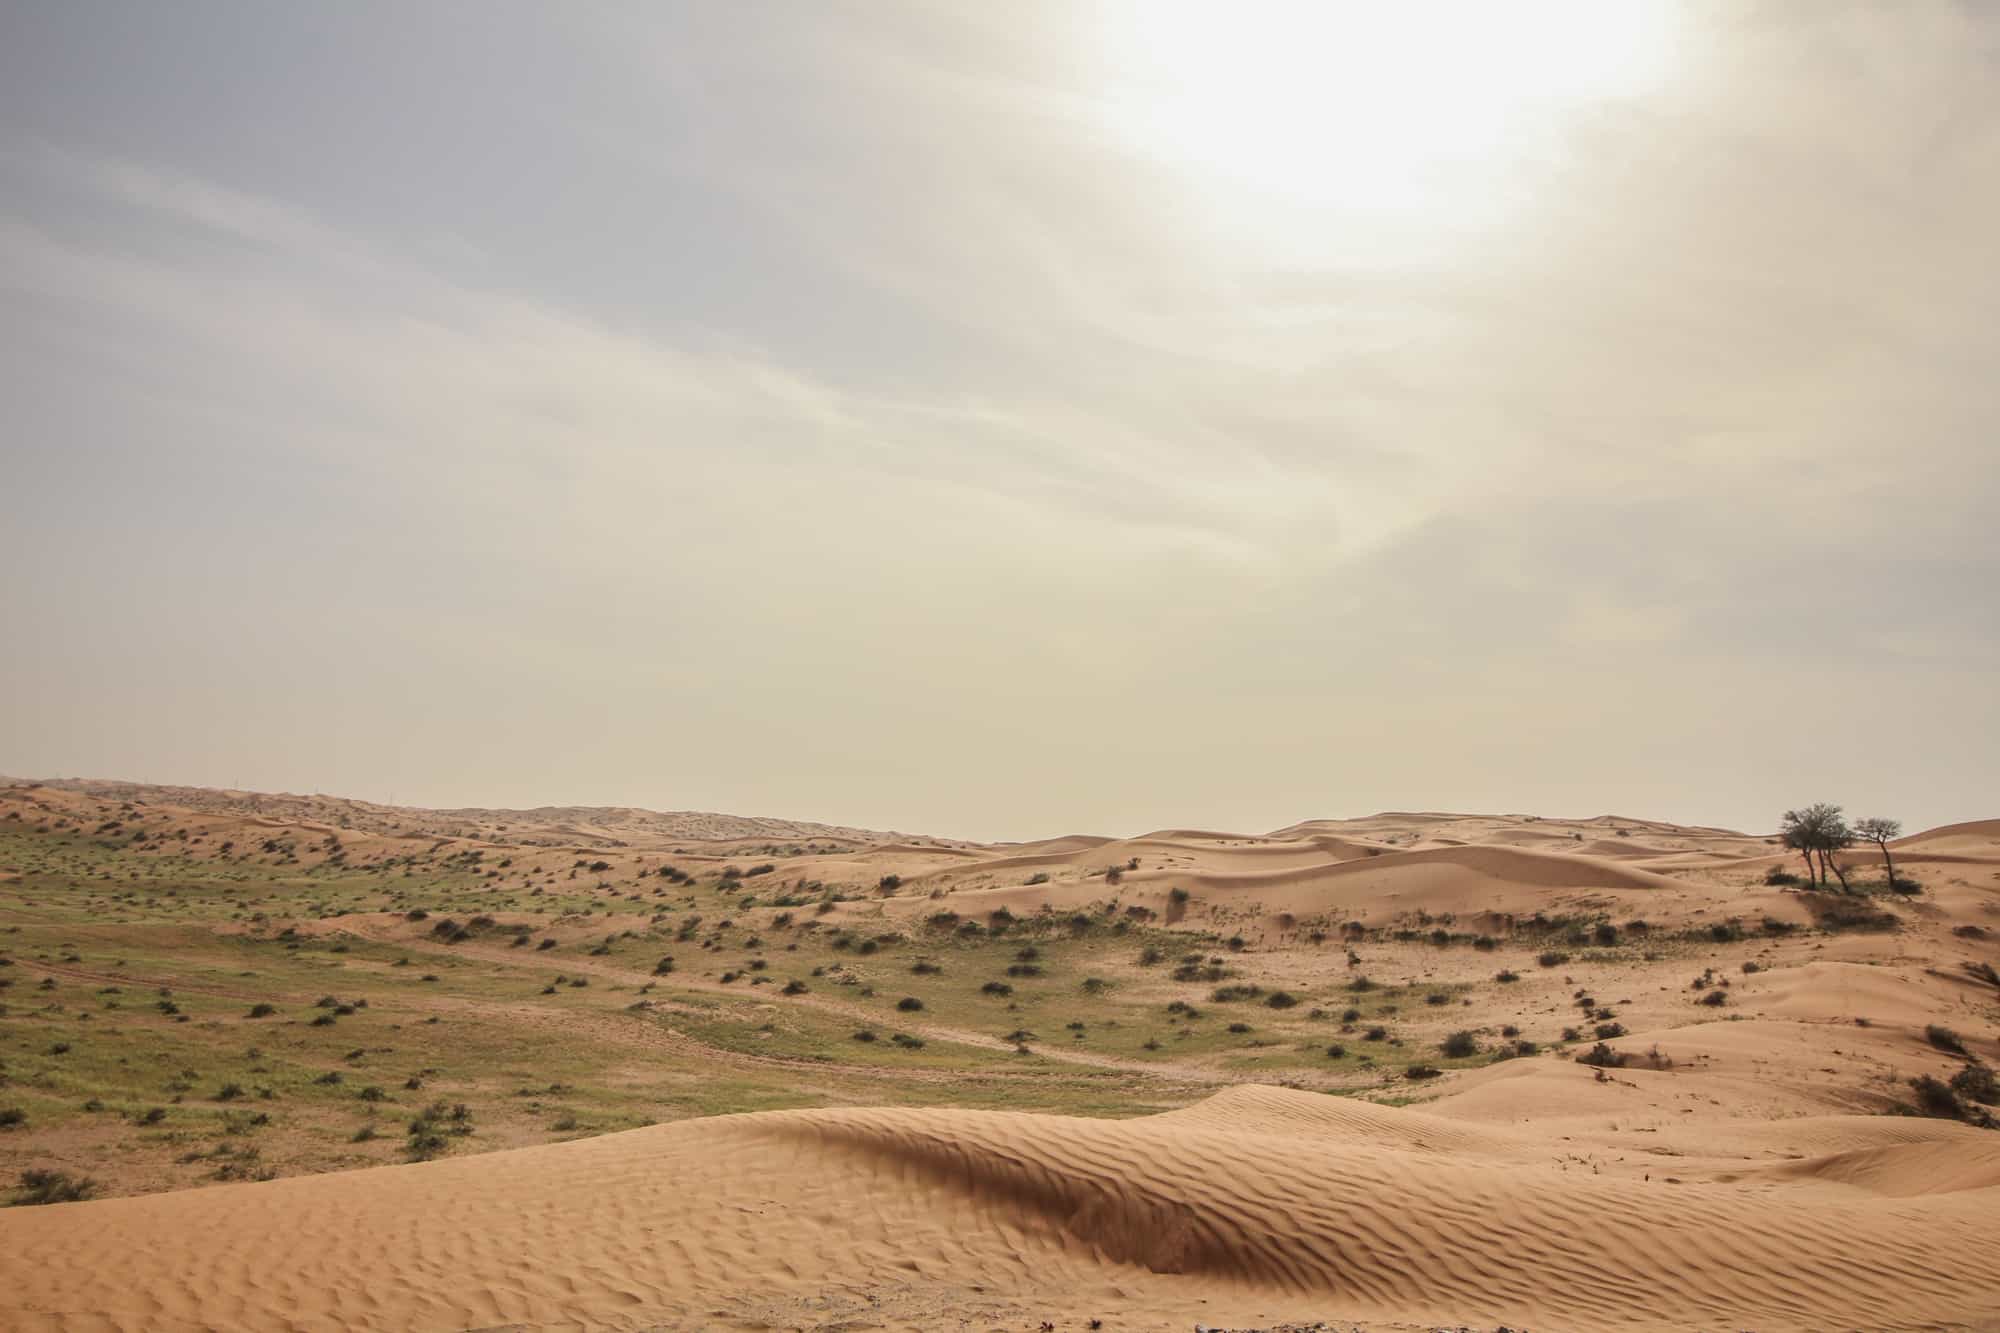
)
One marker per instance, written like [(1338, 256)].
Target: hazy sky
[(1000, 420)]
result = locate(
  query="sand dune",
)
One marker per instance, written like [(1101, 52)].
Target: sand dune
[(1260, 1203), (1736, 1172)]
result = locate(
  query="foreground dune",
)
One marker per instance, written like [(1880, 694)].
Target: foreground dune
[(1257, 1204)]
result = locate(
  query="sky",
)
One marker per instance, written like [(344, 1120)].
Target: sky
[(1000, 421)]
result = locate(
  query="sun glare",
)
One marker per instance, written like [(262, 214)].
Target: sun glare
[(1387, 109)]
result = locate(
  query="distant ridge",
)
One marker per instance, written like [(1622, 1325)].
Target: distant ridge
[(580, 825)]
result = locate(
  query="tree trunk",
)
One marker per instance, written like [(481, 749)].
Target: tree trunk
[(1888, 864), (1834, 861), (1806, 852)]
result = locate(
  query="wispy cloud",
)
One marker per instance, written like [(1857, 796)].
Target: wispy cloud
[(871, 401)]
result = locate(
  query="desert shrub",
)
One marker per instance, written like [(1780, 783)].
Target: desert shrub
[(1601, 1056), (997, 988), (12, 1117), (1551, 958), (1525, 1047), (1350, 1015), (1506, 977), (909, 1004), (1459, 1045), (1238, 1029), (1375, 1034), (794, 987), (864, 1035), (1935, 1097), (924, 969), (1976, 1083), (1779, 877), (1178, 897), (263, 1010), (1421, 1072), (1605, 934), (1095, 985), (1751, 967), (1224, 994), (1485, 943), (1944, 1039), (1715, 998), (1969, 932), (1838, 911), (1361, 985), (907, 1042), (39, 1186), (1281, 1000), (664, 966), (1336, 1051), (1039, 877), (1609, 1031), (229, 1092), (1150, 955)]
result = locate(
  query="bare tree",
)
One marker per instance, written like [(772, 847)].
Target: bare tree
[(1818, 830), (1880, 831)]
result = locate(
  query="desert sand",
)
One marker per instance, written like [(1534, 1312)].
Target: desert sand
[(1758, 1162)]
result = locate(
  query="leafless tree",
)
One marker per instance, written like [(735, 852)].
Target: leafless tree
[(1880, 831)]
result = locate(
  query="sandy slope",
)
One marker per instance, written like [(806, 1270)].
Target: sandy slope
[(1256, 1204)]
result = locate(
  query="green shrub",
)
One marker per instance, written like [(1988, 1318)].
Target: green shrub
[(40, 1186)]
